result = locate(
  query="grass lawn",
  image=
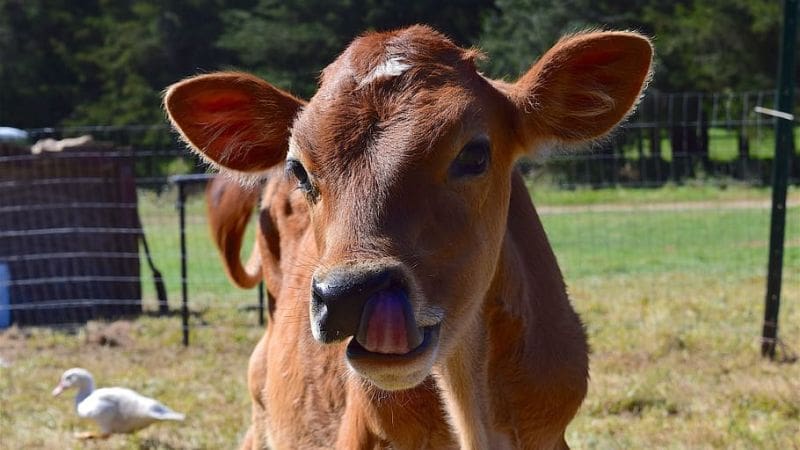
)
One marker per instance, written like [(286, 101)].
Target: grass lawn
[(723, 143), (672, 297), (544, 195)]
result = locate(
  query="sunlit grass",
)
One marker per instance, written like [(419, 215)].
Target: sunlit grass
[(207, 381), (672, 301), (723, 143), (547, 195), (676, 364)]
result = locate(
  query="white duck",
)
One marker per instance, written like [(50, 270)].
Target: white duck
[(115, 409)]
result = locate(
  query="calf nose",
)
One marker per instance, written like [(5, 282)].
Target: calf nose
[(338, 298)]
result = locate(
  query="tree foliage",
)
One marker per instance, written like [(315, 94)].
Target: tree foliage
[(519, 31), (101, 61), (716, 45), (106, 61), (288, 43), (701, 45)]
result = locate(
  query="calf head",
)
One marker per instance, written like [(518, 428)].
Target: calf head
[(405, 157)]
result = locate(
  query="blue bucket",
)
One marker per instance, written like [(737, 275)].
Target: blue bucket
[(5, 296)]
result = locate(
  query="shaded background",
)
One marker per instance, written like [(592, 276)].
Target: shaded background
[(104, 62)]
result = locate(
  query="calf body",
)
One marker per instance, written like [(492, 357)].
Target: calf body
[(414, 299)]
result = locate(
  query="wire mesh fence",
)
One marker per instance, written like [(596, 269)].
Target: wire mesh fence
[(94, 205), (661, 231), (69, 235)]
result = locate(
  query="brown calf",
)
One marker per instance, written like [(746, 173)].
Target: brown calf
[(416, 300), (228, 208)]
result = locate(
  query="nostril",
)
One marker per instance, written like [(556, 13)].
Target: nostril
[(338, 299), (340, 285), (319, 291)]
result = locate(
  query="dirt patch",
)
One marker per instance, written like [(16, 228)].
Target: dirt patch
[(14, 337), (12, 344), (113, 334), (15, 342)]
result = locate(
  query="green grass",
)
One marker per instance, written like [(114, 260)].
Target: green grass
[(207, 282), (730, 243), (206, 381), (547, 195), (669, 282), (723, 144), (673, 303)]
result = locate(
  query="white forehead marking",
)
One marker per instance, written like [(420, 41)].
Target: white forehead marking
[(292, 153), (392, 67)]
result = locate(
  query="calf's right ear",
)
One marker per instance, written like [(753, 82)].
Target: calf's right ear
[(583, 87), (233, 120)]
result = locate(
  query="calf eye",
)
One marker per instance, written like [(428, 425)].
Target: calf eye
[(473, 158), (296, 169)]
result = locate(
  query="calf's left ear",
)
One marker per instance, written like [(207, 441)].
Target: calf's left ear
[(234, 120), (582, 87)]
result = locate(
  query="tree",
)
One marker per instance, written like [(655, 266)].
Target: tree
[(101, 62), (39, 82), (715, 45), (701, 45), (106, 61), (519, 31), (147, 45), (289, 43)]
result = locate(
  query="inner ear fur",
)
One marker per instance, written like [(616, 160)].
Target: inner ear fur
[(233, 120), (583, 87)]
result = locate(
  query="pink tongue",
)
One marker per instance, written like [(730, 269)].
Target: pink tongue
[(386, 328)]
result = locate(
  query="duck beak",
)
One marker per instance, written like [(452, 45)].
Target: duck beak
[(58, 390)]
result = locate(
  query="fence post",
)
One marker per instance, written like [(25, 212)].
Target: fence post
[(780, 174), (184, 281)]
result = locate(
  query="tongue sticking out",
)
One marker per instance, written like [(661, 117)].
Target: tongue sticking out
[(387, 324)]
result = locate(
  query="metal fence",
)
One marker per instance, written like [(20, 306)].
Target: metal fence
[(661, 230), (672, 138), (689, 139), (677, 138)]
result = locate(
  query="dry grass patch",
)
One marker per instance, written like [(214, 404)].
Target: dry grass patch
[(206, 381), (672, 301), (684, 371)]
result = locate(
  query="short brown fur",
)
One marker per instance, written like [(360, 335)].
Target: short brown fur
[(228, 208), (378, 141)]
